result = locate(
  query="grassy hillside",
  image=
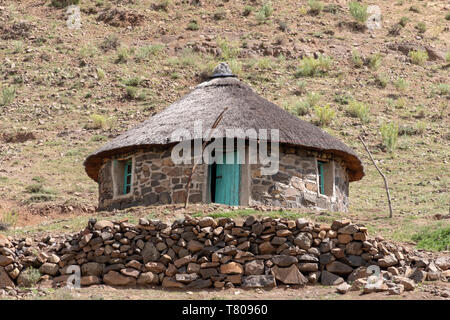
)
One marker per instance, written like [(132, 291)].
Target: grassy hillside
[(65, 92)]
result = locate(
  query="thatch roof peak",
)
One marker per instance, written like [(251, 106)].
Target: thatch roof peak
[(246, 110)]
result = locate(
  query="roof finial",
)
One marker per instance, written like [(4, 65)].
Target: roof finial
[(222, 70)]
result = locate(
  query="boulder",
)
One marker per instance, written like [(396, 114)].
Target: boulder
[(330, 279), (89, 280), (290, 275), (284, 260), (114, 278), (5, 260), (254, 267), (169, 282), (443, 263), (150, 253), (387, 261), (200, 284), (258, 281), (5, 280), (408, 284), (51, 269), (148, 278), (92, 269), (102, 224), (231, 268), (339, 268), (186, 277), (303, 240), (343, 288), (194, 246)]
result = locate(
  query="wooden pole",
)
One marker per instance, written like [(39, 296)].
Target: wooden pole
[(188, 185), (382, 175)]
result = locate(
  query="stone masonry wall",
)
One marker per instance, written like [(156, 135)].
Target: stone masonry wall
[(295, 185), (157, 180), (203, 252)]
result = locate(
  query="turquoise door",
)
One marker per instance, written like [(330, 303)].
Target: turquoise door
[(227, 179)]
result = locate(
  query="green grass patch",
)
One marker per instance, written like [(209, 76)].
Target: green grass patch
[(437, 239)]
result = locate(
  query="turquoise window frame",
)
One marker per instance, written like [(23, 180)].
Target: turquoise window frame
[(320, 165), (127, 174)]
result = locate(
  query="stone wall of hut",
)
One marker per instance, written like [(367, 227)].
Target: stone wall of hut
[(157, 180), (296, 184)]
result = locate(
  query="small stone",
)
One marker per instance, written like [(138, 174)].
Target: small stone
[(130, 272), (102, 224), (255, 267), (148, 278), (266, 248), (171, 283), (114, 278), (49, 268), (339, 268), (194, 246), (89, 280), (258, 281), (345, 238), (408, 284), (289, 275), (330, 279), (343, 288), (186, 277), (284, 260), (231, 268)]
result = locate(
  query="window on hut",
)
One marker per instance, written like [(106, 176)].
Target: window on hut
[(325, 172), (123, 171)]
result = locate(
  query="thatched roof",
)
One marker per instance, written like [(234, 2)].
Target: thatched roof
[(246, 109)]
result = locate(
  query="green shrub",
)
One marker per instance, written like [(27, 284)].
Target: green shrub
[(144, 52), (264, 13), (359, 110), (123, 55), (389, 136), (401, 84), (99, 121), (63, 3), (264, 63), (193, 25), (8, 95), (247, 11), (30, 277), (421, 27), (375, 61), (357, 59), (235, 66), (442, 89), (229, 50), (310, 67), (111, 41), (9, 218), (161, 5), (133, 82), (315, 7), (100, 73), (358, 11), (447, 57), (132, 93), (403, 21), (434, 240), (447, 16), (313, 98), (297, 107), (418, 57), (220, 14), (381, 80), (325, 114)]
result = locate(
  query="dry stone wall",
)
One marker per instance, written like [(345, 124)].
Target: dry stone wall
[(204, 252)]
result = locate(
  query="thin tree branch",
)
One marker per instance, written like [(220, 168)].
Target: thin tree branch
[(188, 185), (382, 175)]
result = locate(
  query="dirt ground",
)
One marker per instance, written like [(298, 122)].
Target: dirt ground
[(425, 291)]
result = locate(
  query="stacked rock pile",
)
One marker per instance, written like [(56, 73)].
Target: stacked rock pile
[(204, 252)]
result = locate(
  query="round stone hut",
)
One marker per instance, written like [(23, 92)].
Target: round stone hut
[(309, 167)]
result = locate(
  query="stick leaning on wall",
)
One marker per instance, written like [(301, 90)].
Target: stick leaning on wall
[(382, 175), (188, 184)]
